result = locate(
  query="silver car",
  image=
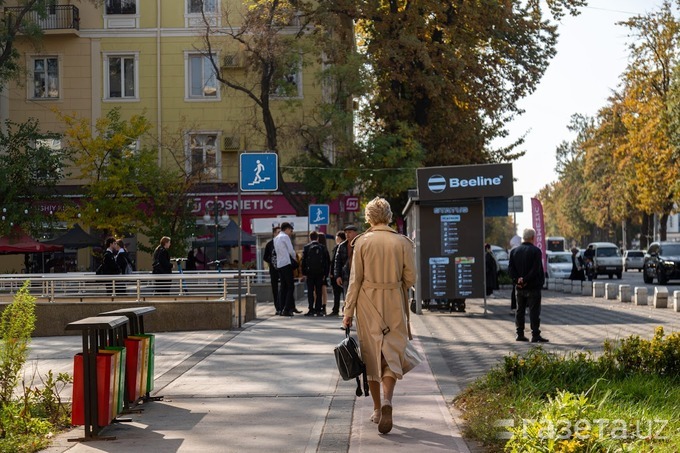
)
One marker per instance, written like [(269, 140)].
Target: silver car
[(633, 259), (559, 264)]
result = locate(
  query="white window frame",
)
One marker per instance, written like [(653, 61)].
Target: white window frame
[(298, 82), (215, 175), (187, 77), (195, 19), (107, 76), (31, 86), (123, 20)]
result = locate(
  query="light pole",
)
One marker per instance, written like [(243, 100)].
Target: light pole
[(218, 220)]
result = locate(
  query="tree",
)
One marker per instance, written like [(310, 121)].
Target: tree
[(124, 189), (454, 71), (29, 171), (647, 149)]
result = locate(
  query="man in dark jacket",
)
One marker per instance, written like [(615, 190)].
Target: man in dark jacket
[(343, 258), (314, 268), (109, 266), (337, 289), (526, 270), (270, 258)]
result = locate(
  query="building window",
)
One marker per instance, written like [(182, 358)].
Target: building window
[(202, 6), (121, 6), (202, 79), (203, 156), (121, 76), (46, 78), (48, 165), (288, 86)]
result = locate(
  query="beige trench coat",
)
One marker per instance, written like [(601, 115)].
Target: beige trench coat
[(383, 269)]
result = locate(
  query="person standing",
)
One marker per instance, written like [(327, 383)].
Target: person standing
[(162, 264), (343, 259), (382, 272), (109, 265), (285, 263), (326, 271), (576, 266), (526, 270), (270, 258), (314, 264), (124, 264), (337, 289), (193, 261), (491, 270)]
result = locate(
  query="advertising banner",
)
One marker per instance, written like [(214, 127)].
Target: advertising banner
[(465, 181), (539, 226)]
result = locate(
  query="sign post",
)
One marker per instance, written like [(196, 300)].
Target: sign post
[(258, 172)]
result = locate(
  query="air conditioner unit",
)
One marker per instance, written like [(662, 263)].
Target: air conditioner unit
[(232, 143), (231, 60)]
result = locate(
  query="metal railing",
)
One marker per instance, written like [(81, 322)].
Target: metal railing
[(137, 286), (58, 17)]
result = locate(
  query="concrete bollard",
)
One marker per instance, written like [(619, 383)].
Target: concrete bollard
[(559, 284), (660, 297), (676, 300), (576, 287), (624, 293), (598, 289), (611, 290), (551, 284), (640, 295), (587, 288)]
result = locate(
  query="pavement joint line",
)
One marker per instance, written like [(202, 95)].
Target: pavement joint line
[(194, 359), (339, 404)]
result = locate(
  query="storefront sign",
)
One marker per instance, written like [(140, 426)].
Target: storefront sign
[(465, 181)]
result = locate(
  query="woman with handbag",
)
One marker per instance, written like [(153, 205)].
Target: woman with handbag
[(383, 269)]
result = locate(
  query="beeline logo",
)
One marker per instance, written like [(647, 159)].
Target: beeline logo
[(479, 181)]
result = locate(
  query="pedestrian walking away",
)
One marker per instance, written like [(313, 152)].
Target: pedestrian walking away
[(491, 270), (326, 272), (526, 270), (314, 266), (577, 266), (382, 272)]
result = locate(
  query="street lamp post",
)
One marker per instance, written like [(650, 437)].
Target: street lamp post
[(218, 220)]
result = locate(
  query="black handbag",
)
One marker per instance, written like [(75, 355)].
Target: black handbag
[(349, 362)]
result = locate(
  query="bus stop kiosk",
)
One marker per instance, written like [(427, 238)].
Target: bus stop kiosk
[(445, 219)]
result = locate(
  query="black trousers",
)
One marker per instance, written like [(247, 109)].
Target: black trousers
[(314, 296), (274, 277), (337, 293), (531, 299), (286, 298)]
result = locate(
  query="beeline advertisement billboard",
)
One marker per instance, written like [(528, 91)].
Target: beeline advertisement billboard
[(465, 181)]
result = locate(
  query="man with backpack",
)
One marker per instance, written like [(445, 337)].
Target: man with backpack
[(315, 266)]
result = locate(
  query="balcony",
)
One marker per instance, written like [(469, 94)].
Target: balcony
[(60, 19)]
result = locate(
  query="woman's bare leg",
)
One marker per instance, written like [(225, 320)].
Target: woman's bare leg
[(374, 388)]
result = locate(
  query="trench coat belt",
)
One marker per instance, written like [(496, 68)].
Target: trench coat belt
[(374, 285)]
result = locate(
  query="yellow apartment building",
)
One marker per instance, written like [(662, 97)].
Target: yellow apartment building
[(148, 57)]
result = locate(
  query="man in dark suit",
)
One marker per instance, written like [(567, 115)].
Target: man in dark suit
[(314, 268), (526, 271), (270, 258)]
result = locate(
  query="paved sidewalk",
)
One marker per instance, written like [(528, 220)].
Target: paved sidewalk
[(271, 386)]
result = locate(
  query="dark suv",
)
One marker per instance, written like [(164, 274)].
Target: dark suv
[(662, 261)]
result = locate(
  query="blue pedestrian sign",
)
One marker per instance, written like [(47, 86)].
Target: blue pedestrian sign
[(318, 214), (259, 172)]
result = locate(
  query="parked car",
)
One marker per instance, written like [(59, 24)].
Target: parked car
[(502, 258), (559, 264), (607, 259), (662, 261), (633, 259)]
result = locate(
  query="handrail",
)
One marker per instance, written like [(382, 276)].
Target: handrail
[(139, 285)]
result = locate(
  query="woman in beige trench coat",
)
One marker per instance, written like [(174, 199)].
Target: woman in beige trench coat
[(382, 271)]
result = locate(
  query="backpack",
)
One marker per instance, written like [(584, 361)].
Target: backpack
[(314, 260), (349, 362)]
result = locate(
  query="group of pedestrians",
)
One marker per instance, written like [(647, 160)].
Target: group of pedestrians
[(115, 261), (318, 266)]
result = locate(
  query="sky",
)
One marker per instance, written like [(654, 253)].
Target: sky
[(592, 53)]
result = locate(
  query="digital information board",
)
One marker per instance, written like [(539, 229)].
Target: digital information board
[(453, 266)]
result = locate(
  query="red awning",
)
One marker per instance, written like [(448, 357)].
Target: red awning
[(20, 242)]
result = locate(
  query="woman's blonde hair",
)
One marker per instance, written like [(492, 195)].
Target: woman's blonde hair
[(378, 211)]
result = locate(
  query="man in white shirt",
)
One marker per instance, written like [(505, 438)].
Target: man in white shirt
[(285, 263)]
